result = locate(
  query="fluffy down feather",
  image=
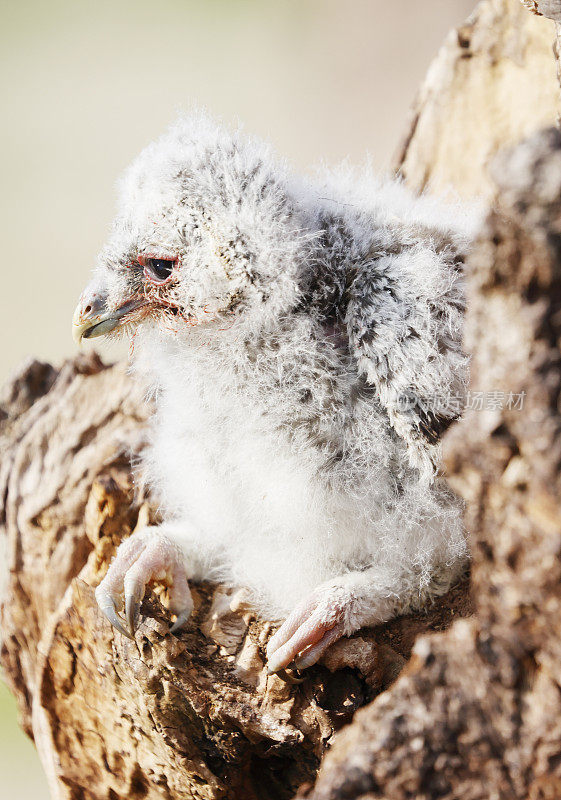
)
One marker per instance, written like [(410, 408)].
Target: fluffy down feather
[(295, 356)]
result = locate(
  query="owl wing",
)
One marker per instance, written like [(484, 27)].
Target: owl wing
[(404, 321)]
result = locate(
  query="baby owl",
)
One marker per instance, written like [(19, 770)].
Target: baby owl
[(298, 337)]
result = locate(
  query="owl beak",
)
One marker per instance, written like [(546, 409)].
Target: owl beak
[(92, 316)]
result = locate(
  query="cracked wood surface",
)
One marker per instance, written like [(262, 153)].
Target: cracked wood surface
[(493, 83)]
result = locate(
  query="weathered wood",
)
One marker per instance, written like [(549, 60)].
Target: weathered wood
[(492, 84), (552, 10), (545, 8)]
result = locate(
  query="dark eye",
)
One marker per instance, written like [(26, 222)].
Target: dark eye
[(159, 268)]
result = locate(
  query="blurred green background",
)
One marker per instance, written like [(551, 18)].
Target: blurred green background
[(85, 85)]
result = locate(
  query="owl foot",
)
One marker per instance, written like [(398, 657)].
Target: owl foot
[(144, 557), (309, 630)]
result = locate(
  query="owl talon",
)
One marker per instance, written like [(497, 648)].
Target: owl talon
[(147, 556), (307, 633), (182, 618), (108, 608), (314, 652), (133, 598)]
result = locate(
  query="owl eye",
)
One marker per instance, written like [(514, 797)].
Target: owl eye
[(158, 269)]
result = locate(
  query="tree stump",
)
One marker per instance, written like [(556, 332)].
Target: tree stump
[(476, 710), (166, 716)]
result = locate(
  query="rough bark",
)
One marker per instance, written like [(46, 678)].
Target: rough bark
[(193, 715), (552, 10), (545, 8), (492, 84)]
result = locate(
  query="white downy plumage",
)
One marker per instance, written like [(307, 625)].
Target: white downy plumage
[(297, 337)]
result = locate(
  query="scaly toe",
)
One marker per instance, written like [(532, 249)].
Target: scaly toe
[(308, 631), (310, 656)]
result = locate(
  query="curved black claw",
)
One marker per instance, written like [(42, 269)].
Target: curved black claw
[(133, 599), (182, 618), (108, 608)]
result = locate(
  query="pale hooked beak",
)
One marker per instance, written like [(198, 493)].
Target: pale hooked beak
[(92, 317)]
